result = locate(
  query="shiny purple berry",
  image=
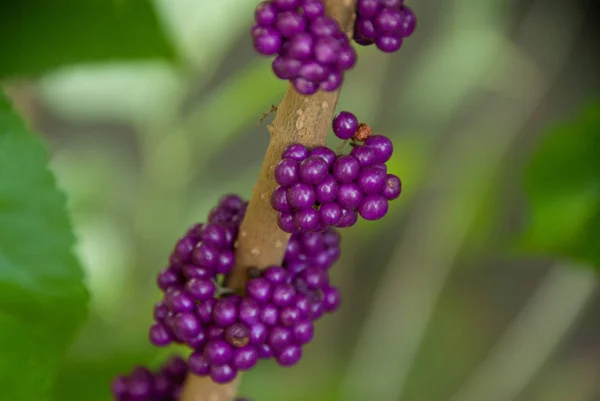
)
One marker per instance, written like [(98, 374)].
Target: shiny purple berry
[(349, 196), (332, 82), (186, 325), (301, 196), (249, 312), (245, 358), (325, 153), (345, 169), (312, 9), (371, 180), (285, 221), (383, 147), (307, 219), (409, 22), (259, 289), (218, 352), (349, 218), (344, 125), (287, 172), (222, 374), (303, 332), (304, 86), (269, 315), (280, 337), (326, 191), (258, 333), (392, 188), (290, 23), (275, 275), (388, 44), (267, 40), (313, 170), (331, 299), (364, 154), (373, 207), (289, 356), (265, 14), (198, 364), (388, 21), (283, 295), (368, 8), (295, 151), (200, 290), (159, 335), (225, 313)]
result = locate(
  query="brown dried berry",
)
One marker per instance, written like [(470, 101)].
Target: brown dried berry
[(237, 335), (362, 133)]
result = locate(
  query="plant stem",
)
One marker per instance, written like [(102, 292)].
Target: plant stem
[(299, 119)]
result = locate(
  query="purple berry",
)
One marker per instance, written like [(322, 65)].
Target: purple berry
[(286, 68), (349, 196), (186, 325), (332, 82), (275, 275), (259, 289), (331, 299), (293, 249), (317, 309), (312, 242), (388, 21), (222, 374), (249, 311), (225, 262), (388, 44), (301, 46), (371, 180), (280, 337), (289, 355), (324, 26), (198, 341), (303, 332), (205, 256), (258, 333), (225, 313), (392, 188), (307, 219), (265, 14), (345, 169), (215, 333), (286, 5), (289, 316), (301, 196), (364, 29), (167, 278), (391, 3), (368, 8), (313, 170), (326, 191), (327, 49), (198, 364), (200, 290), (178, 301), (285, 221), (409, 22), (346, 58), (373, 207), (305, 86), (325, 153), (269, 315), (290, 23), (296, 151), (265, 351), (312, 9), (302, 302), (287, 172), (283, 295), (192, 271), (159, 335), (204, 310), (237, 335), (349, 218), (218, 352), (313, 71), (267, 40), (344, 125), (245, 358), (161, 311), (383, 147), (364, 154), (315, 278)]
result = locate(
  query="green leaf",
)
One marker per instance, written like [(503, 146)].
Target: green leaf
[(42, 296), (38, 35), (562, 184)]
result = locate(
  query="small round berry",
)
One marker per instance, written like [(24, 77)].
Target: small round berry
[(332, 238), (276, 275), (307, 219), (388, 21), (179, 301), (259, 289), (205, 256), (380, 166), (283, 295), (330, 213), (312, 9), (317, 309), (222, 374), (119, 387), (313, 170), (364, 29), (184, 247), (303, 332), (204, 310), (301, 196), (286, 5), (332, 82), (305, 86), (362, 41), (327, 49), (267, 41), (200, 289), (388, 44), (312, 242), (349, 196), (289, 316), (218, 352), (345, 169), (285, 221), (245, 358), (344, 125), (198, 364), (371, 180), (237, 335), (193, 271), (301, 46), (286, 172), (265, 14), (198, 341), (331, 299), (249, 311), (325, 153), (225, 262), (269, 314), (303, 302), (258, 333), (392, 188), (167, 278), (186, 325), (409, 22), (324, 26), (327, 190), (368, 8), (280, 337), (364, 154), (383, 147), (289, 355), (140, 387), (295, 151), (349, 218), (161, 311), (215, 333), (315, 278), (373, 207), (265, 351), (313, 71), (290, 23), (224, 313), (293, 249), (346, 58), (286, 67), (159, 335), (214, 235)]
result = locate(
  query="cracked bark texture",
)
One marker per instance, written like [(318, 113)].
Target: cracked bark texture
[(298, 119)]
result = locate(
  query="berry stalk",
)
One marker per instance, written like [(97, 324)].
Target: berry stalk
[(299, 119)]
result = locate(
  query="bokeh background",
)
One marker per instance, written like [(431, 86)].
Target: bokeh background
[(437, 304)]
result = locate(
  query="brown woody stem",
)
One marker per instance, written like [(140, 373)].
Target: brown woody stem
[(299, 119)]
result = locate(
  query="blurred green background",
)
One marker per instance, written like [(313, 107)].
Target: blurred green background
[(151, 116)]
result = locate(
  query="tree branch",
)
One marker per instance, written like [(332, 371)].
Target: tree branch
[(299, 119)]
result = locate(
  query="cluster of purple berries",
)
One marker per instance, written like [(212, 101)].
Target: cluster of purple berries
[(228, 332), (142, 384), (311, 49), (384, 23), (319, 189)]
